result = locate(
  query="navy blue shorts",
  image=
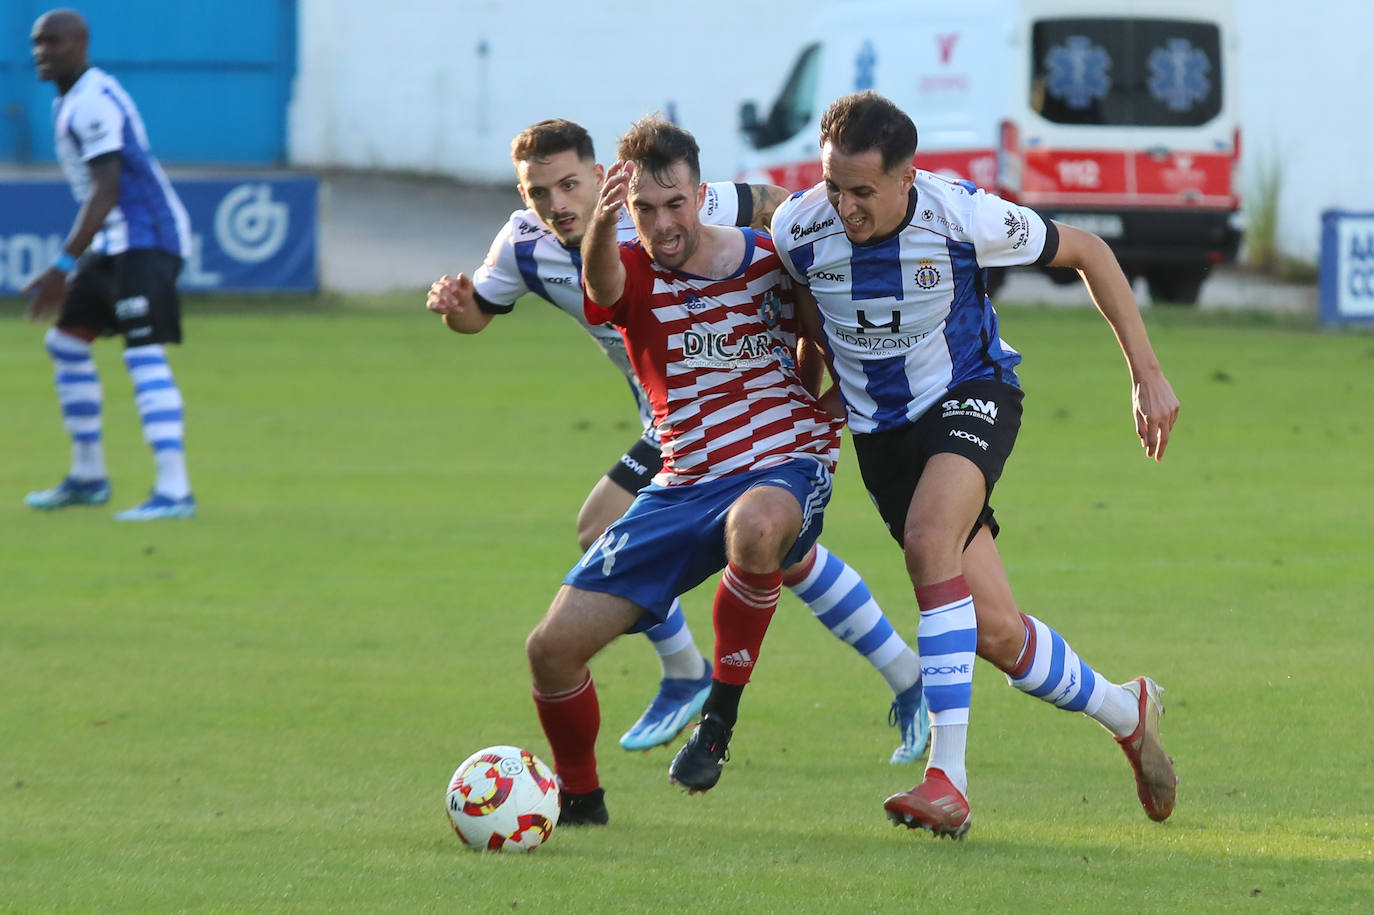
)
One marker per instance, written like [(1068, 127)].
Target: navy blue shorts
[(673, 537)]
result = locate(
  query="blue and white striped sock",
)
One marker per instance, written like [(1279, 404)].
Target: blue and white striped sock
[(81, 399), (677, 650), (160, 411), (842, 602), (948, 639), (1051, 670)]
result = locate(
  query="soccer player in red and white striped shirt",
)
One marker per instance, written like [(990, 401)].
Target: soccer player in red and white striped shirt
[(709, 323)]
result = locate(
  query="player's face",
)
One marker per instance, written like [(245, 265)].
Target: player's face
[(871, 200), (666, 210), (57, 52), (562, 190)]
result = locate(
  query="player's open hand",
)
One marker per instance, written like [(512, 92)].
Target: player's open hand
[(50, 287), (1156, 410), (615, 190), (450, 295)]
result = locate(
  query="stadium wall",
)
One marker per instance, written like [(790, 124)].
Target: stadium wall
[(433, 86)]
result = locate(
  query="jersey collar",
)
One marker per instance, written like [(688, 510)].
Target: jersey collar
[(744, 264), (906, 221)]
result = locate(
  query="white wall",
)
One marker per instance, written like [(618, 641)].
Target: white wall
[(1306, 103), (406, 85)]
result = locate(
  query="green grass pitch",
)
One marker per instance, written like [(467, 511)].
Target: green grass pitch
[(259, 710)]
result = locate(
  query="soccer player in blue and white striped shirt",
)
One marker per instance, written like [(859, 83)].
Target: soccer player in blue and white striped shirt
[(893, 259), (131, 235)]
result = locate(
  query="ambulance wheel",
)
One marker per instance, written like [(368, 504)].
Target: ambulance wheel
[(1175, 285)]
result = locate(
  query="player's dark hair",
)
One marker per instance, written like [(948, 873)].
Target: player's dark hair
[(861, 121), (654, 144), (548, 138)]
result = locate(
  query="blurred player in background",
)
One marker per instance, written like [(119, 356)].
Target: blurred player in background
[(710, 329), (537, 251), (116, 274), (893, 257)]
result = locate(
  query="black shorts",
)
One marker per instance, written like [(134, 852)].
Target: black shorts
[(133, 294), (977, 419), (638, 466)]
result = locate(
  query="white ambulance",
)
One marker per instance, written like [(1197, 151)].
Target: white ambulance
[(1120, 118)]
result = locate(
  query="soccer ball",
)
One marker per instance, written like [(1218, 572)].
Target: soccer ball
[(503, 799)]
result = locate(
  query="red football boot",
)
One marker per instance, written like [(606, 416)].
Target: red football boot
[(935, 804), (1155, 781)]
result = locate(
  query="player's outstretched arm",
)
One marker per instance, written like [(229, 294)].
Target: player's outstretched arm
[(603, 275), (767, 199), (1153, 403), (453, 299)]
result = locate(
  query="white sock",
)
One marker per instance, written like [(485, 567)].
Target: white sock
[(902, 672), (687, 664), (948, 744), (1119, 712), (677, 650)]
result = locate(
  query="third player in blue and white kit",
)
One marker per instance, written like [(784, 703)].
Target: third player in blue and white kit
[(894, 258), (537, 251), (131, 236)]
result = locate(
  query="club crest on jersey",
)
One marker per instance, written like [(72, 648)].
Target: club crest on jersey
[(770, 309), (708, 350), (927, 274)]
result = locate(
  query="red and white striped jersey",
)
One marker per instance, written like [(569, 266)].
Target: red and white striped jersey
[(719, 361)]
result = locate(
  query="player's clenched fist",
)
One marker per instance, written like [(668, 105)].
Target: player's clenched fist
[(450, 294)]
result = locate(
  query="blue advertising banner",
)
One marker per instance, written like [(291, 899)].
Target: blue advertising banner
[(256, 234), (1347, 267)]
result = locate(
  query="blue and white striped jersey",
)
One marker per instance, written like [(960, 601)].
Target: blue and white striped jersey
[(905, 315), (96, 117), (526, 256)]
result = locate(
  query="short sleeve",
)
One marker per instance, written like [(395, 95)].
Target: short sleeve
[(1004, 233), (498, 281), (722, 206), (97, 125)]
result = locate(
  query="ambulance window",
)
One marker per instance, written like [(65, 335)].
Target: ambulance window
[(796, 102), (1126, 72)]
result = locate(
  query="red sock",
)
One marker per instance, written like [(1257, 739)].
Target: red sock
[(745, 602), (929, 597), (571, 720)]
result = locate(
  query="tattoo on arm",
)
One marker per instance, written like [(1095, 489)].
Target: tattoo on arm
[(767, 198)]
